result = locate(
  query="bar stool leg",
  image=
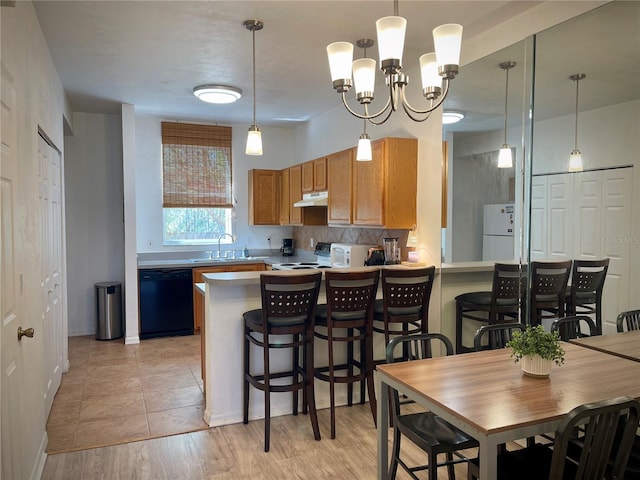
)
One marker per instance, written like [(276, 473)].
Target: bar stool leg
[(267, 393), (295, 362), (245, 383), (308, 392), (350, 367), (332, 392)]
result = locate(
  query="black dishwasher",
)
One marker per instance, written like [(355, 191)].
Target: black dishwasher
[(166, 302)]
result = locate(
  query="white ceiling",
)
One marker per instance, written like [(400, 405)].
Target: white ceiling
[(152, 53)]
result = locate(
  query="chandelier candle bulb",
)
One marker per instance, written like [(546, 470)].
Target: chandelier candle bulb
[(431, 80), (340, 60), (448, 42), (391, 32), (364, 77)]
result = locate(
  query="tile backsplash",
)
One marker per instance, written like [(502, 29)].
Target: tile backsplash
[(368, 236)]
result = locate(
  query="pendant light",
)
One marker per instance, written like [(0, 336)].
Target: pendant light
[(575, 158), (363, 154), (254, 137), (505, 159)]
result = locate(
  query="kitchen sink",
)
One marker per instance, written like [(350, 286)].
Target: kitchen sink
[(209, 260)]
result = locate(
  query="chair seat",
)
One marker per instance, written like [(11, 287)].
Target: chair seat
[(428, 429), (378, 310), (321, 315), (483, 299), (253, 319)]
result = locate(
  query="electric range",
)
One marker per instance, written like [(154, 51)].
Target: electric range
[(323, 260)]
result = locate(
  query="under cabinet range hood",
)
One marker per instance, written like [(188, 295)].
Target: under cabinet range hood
[(315, 199)]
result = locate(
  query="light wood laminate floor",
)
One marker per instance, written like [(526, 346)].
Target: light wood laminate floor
[(111, 388)]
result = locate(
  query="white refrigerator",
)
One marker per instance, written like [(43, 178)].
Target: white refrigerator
[(497, 232)]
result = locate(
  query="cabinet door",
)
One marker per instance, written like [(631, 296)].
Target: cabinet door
[(320, 174), (263, 198), (295, 194), (284, 197), (307, 177), (368, 188), (339, 174)]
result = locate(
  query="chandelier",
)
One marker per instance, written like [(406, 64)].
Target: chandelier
[(436, 68)]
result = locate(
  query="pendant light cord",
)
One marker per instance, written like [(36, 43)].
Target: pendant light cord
[(576, 132), (253, 34), (506, 98)]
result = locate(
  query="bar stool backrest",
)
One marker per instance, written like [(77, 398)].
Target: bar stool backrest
[(406, 292), (350, 295), (588, 276), (509, 286), (289, 297)]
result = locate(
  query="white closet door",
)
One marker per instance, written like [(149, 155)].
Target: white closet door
[(616, 242), (538, 228), (587, 216), (560, 220)]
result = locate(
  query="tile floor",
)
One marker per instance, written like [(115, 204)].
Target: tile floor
[(116, 393)]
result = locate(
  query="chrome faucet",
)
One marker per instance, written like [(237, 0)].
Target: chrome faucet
[(221, 237)]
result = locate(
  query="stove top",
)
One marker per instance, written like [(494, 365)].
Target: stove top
[(323, 260)]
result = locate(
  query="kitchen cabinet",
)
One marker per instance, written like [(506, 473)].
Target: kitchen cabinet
[(284, 199), (198, 305), (295, 194), (384, 189), (339, 175), (263, 197), (314, 175)]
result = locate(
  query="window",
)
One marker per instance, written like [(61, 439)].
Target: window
[(196, 182)]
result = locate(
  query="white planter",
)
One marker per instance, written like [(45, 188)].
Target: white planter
[(535, 366)]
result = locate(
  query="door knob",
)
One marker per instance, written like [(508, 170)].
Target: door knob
[(25, 333)]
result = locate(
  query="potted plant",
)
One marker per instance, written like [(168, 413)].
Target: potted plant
[(538, 350)]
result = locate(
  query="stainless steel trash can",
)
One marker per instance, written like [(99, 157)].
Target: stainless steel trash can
[(109, 296)]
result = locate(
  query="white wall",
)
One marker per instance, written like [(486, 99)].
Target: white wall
[(94, 207), (278, 147), (40, 104)]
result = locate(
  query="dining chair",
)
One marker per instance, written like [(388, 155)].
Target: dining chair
[(404, 306), (497, 335), (347, 319), (548, 290), (629, 320), (601, 451), (431, 433), (584, 295), (577, 326), (288, 303), (502, 304)]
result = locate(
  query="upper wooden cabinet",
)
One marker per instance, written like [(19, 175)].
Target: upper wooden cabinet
[(295, 194), (285, 203), (384, 189), (314, 175), (339, 174), (263, 197)]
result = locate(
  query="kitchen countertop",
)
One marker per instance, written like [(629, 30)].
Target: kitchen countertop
[(204, 262)]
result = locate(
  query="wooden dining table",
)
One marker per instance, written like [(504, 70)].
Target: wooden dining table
[(487, 396), (623, 344)]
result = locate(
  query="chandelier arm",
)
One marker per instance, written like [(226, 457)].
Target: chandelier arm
[(410, 115), (383, 120), (366, 116), (407, 105)]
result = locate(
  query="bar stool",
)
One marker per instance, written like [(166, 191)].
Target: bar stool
[(347, 318), (502, 304), (548, 289), (404, 306), (288, 303), (584, 296)]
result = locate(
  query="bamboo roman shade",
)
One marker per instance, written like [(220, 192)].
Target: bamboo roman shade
[(196, 166)]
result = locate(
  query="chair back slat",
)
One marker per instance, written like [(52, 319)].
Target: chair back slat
[(352, 292), (629, 320), (606, 443), (285, 296), (497, 335), (569, 328), (509, 282)]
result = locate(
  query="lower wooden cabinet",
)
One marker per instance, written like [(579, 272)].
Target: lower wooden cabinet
[(198, 300)]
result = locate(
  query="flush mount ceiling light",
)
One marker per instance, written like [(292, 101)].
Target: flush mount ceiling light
[(254, 137), (451, 117), (504, 157), (575, 158), (217, 93), (435, 69)]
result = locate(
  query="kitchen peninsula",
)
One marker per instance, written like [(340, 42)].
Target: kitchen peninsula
[(228, 295)]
